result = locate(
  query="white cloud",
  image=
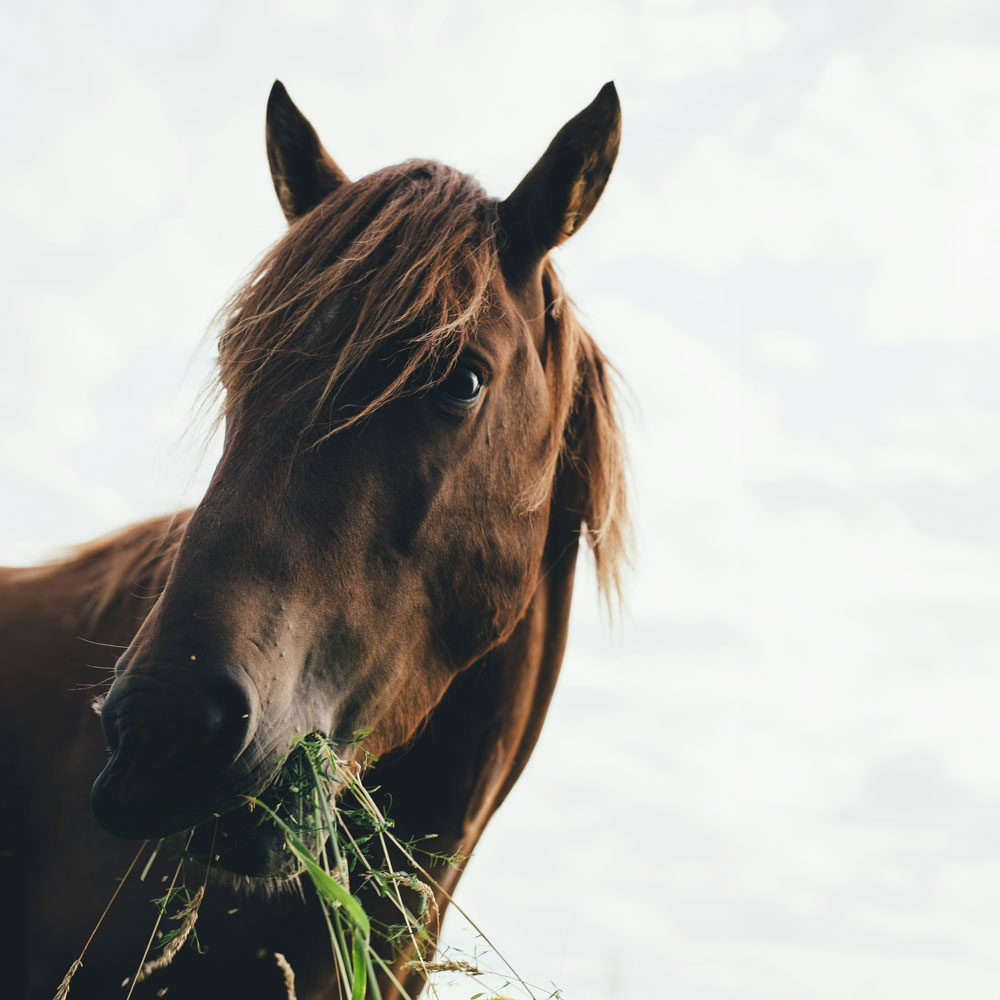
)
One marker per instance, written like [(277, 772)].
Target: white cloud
[(894, 162), (788, 350), (956, 448), (953, 9), (113, 168)]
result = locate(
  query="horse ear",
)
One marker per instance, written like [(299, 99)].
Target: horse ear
[(303, 172), (562, 188)]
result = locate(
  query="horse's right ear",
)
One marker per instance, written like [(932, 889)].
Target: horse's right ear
[(303, 172), (562, 188)]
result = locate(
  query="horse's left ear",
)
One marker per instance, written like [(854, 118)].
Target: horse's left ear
[(303, 172), (562, 188)]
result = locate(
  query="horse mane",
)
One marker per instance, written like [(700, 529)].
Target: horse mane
[(130, 563), (592, 447), (394, 268)]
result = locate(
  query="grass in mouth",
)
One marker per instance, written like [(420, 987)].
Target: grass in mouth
[(344, 843)]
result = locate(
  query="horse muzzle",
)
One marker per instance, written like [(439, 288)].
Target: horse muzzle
[(178, 752)]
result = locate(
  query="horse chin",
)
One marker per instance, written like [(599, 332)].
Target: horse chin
[(245, 842), (238, 843)]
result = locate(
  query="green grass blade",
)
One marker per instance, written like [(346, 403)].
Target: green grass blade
[(360, 977), (329, 887), (325, 883)]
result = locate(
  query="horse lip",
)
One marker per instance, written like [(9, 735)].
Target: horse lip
[(132, 814), (135, 801), (150, 806)]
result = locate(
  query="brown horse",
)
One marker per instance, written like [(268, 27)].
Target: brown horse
[(417, 434)]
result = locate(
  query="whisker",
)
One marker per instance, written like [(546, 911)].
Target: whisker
[(108, 645)]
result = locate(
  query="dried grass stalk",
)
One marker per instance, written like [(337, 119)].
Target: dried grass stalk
[(457, 966), (428, 894), (189, 914), (63, 990)]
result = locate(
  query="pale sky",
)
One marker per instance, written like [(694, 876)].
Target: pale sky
[(778, 775)]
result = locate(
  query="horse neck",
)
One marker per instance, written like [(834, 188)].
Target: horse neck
[(457, 772)]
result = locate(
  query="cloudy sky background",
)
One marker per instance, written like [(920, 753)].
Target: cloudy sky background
[(779, 775)]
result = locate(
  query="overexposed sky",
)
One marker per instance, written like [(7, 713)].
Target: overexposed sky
[(778, 776)]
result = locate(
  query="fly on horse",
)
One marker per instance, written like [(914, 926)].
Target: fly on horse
[(417, 434)]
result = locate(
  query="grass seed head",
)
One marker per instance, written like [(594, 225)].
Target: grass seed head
[(189, 915), (63, 990), (289, 974)]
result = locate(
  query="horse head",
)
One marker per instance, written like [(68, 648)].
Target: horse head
[(408, 404)]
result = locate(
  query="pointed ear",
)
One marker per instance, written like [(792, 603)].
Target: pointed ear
[(303, 172), (562, 188)]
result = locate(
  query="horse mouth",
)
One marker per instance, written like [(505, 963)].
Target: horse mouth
[(245, 843), (251, 839), (244, 835)]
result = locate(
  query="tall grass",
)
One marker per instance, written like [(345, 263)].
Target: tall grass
[(346, 846), (356, 843)]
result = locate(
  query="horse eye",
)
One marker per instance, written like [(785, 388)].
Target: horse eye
[(462, 383)]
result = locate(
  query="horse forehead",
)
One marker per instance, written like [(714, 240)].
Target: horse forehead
[(517, 318)]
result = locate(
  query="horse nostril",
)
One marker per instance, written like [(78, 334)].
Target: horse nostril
[(227, 711), (201, 724)]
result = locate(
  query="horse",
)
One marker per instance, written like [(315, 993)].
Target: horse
[(418, 433)]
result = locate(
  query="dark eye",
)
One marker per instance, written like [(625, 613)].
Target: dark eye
[(462, 384)]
